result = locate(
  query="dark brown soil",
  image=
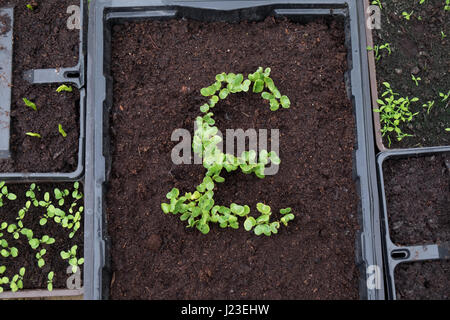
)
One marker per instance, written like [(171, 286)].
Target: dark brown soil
[(418, 199), (52, 152), (41, 36), (417, 46), (35, 277), (423, 280), (159, 69), (42, 40)]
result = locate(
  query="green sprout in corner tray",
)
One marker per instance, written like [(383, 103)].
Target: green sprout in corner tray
[(30, 104), (33, 134), (63, 87), (61, 130)]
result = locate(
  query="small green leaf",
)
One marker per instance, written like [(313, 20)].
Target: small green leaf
[(30, 104), (61, 130), (264, 209), (205, 92), (249, 223), (223, 93), (285, 102), (173, 194), (63, 87), (274, 105), (34, 243), (204, 228), (165, 207), (12, 196), (285, 211), (258, 86), (32, 134), (65, 255), (237, 209)]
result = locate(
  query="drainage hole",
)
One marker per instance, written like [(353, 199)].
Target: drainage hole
[(72, 74), (400, 254)]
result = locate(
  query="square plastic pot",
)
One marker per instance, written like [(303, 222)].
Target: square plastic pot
[(393, 254), (103, 13)]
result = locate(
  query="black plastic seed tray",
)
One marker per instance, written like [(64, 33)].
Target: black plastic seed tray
[(393, 254), (74, 76), (103, 13)]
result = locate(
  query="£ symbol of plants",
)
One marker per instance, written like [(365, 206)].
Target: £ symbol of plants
[(199, 208)]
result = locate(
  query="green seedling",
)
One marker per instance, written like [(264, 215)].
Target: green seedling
[(30, 7), (40, 259), (75, 224), (5, 250), (32, 195), (287, 216), (52, 213), (18, 229), (35, 243), (428, 105), (443, 35), (407, 15), (3, 279), (71, 221), (416, 79), (17, 281), (447, 129), (393, 112), (50, 278), (71, 255), (422, 1), (30, 104), (60, 195), (378, 3), (377, 50), (61, 131), (76, 194), (444, 96), (33, 134), (63, 87), (4, 193), (447, 5)]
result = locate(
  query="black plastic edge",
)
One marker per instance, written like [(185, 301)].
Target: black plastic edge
[(369, 249), (415, 253)]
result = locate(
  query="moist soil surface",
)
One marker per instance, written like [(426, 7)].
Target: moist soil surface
[(423, 280), (41, 36), (418, 199), (35, 277), (159, 68), (417, 48), (42, 40)]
